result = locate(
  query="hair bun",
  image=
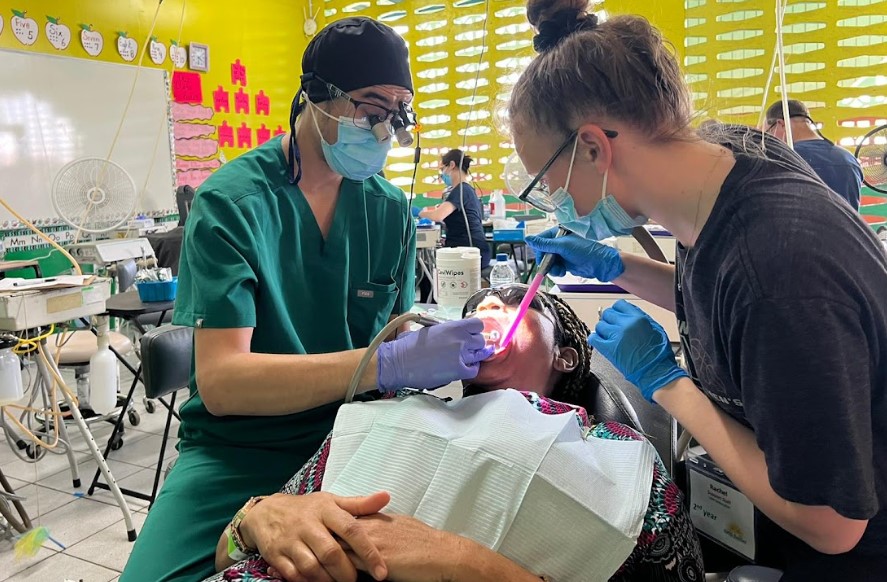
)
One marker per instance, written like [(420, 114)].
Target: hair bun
[(561, 25)]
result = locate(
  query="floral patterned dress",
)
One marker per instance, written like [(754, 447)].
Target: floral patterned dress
[(667, 549)]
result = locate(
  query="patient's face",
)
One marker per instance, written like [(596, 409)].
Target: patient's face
[(530, 361)]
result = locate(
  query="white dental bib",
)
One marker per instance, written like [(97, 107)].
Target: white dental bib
[(494, 469)]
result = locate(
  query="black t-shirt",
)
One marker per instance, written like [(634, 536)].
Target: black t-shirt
[(465, 199), (782, 308)]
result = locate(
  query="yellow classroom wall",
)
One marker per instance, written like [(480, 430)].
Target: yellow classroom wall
[(835, 61), (446, 38), (266, 37)]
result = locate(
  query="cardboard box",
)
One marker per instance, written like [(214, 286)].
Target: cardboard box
[(34, 308)]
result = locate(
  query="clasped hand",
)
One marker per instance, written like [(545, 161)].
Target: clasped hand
[(322, 537)]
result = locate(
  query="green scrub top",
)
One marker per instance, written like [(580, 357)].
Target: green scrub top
[(254, 256)]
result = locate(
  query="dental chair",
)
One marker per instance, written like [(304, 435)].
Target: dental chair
[(618, 400)]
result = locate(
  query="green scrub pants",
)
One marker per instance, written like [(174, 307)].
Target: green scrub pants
[(205, 488)]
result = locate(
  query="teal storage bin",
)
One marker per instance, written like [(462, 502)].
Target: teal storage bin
[(157, 290), (508, 235)]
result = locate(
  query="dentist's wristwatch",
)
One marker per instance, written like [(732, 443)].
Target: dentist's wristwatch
[(237, 550)]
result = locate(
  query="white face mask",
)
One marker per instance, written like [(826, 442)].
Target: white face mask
[(606, 219)]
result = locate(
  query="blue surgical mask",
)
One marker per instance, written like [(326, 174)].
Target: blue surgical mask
[(606, 219), (356, 155), (446, 179)]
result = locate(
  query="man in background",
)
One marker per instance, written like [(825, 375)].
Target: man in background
[(835, 166)]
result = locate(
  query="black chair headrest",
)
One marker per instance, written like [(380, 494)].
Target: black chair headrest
[(166, 359)]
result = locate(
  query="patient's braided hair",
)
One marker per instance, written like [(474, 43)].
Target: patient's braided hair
[(575, 386)]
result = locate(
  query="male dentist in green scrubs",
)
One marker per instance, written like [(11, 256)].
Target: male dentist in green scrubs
[(296, 254)]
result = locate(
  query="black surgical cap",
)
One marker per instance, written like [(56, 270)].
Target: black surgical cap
[(354, 53)]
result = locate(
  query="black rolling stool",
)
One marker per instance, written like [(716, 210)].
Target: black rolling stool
[(166, 363)]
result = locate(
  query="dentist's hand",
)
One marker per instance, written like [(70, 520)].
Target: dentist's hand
[(433, 356), (637, 346), (584, 258)]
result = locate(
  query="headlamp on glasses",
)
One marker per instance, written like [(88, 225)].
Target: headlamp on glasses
[(381, 121), (401, 121)]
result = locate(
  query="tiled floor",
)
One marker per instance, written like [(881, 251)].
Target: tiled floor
[(91, 528)]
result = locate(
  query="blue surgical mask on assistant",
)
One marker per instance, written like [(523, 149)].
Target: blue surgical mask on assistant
[(446, 179), (606, 219), (356, 155)]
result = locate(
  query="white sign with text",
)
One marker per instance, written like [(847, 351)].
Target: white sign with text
[(723, 513)]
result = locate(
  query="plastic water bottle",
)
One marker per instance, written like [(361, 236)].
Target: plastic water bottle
[(104, 375), (11, 387), (501, 274), (497, 205)]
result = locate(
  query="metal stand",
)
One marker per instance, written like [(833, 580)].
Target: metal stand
[(90, 442)]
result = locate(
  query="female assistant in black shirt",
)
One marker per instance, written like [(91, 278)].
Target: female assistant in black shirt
[(461, 211), (780, 290)]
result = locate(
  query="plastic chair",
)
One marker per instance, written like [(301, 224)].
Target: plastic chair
[(126, 274), (126, 277), (166, 368)]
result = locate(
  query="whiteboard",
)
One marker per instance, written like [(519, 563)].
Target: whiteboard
[(54, 110)]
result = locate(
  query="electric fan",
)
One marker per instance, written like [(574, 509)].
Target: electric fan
[(872, 155), (94, 195)]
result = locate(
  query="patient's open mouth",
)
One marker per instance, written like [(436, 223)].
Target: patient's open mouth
[(495, 326)]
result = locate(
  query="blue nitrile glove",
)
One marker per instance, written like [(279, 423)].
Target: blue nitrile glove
[(584, 258), (433, 356), (637, 346), (415, 210)]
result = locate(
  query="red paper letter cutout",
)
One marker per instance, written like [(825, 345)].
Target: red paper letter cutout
[(226, 135), (186, 87), (263, 134), (221, 101), (238, 73), (279, 130), (241, 102), (263, 104), (244, 136)]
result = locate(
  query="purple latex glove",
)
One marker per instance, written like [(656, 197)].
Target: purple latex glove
[(582, 257), (433, 356)]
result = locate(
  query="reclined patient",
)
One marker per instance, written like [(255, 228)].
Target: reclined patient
[(549, 363)]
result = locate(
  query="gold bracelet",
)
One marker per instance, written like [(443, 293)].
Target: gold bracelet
[(237, 549)]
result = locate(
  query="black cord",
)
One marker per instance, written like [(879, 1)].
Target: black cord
[(417, 155)]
